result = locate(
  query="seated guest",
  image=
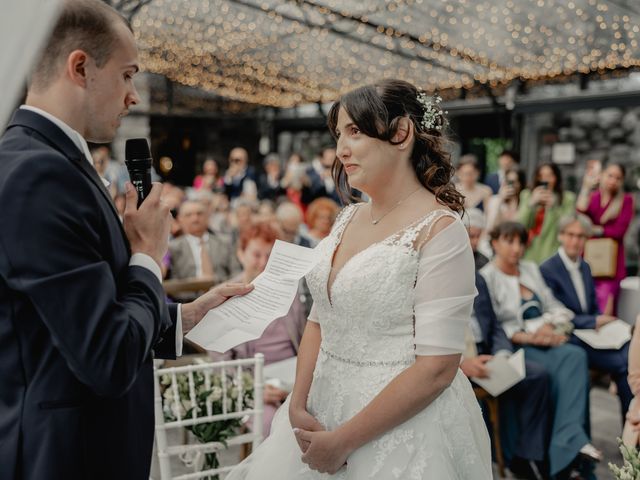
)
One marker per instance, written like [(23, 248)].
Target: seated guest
[(475, 228), (239, 179), (533, 319), (289, 218), (504, 205), (318, 180), (541, 207), (524, 408), (281, 338), (321, 214), (269, 187), (210, 178), (199, 253), (507, 160), (570, 280), (476, 195)]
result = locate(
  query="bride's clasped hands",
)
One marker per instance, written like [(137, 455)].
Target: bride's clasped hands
[(323, 451)]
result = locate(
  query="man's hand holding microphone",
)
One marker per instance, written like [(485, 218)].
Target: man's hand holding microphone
[(147, 220)]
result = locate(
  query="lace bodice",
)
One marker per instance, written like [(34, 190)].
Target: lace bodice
[(368, 316), (390, 302)]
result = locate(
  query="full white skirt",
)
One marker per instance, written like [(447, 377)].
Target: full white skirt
[(448, 440)]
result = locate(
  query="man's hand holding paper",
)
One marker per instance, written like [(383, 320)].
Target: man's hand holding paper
[(245, 318)]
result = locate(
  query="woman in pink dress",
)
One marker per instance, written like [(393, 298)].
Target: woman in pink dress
[(610, 210), (210, 178)]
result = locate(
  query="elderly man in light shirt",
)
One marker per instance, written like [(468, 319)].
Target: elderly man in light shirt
[(571, 282), (199, 253)]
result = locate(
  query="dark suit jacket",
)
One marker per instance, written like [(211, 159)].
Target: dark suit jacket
[(493, 180), (558, 279), (77, 323), (493, 337), (317, 189)]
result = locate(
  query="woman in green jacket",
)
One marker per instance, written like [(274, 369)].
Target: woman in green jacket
[(540, 209)]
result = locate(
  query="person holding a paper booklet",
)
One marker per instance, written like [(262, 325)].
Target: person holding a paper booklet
[(281, 339), (570, 280), (603, 200), (378, 391), (525, 411), (535, 320)]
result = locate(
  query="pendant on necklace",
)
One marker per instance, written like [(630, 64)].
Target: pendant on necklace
[(375, 222)]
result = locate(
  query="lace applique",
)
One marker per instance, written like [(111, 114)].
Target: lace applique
[(386, 444), (368, 339)]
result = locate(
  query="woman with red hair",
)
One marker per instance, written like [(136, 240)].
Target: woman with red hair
[(321, 214), (281, 338)]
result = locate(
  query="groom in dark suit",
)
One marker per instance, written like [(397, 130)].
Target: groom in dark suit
[(569, 278), (82, 308)]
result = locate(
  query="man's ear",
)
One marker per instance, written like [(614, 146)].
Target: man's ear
[(404, 132), (76, 67)]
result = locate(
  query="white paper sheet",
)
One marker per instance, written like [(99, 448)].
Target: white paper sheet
[(613, 335), (504, 373), (241, 319)]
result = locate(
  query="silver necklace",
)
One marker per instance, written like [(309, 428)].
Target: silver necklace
[(375, 222)]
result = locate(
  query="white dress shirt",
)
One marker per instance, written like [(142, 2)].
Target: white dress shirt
[(195, 243), (137, 259), (576, 277)]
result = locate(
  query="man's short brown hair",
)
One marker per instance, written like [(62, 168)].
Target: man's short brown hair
[(82, 25)]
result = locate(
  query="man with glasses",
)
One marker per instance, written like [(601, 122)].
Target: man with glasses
[(571, 282), (239, 180)]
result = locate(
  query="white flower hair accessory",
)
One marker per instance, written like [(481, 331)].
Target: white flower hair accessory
[(432, 115)]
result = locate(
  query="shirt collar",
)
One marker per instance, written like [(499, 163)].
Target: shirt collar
[(197, 240), (570, 264), (77, 139)]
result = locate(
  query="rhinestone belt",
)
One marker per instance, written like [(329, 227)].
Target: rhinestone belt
[(369, 363)]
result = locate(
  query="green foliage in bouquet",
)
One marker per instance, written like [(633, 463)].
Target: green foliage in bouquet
[(630, 470), (220, 430)]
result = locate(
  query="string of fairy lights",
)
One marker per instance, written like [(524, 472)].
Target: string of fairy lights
[(286, 52)]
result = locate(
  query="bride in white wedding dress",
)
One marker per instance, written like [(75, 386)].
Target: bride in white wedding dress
[(378, 391)]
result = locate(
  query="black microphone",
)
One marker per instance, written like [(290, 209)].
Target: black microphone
[(138, 159)]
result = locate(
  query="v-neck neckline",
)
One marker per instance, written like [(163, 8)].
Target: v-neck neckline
[(338, 242)]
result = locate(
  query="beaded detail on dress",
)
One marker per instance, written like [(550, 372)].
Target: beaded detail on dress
[(366, 320)]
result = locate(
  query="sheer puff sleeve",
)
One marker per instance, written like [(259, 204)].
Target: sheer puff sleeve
[(444, 292)]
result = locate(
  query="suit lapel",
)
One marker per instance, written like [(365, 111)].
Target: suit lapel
[(571, 289), (588, 285), (61, 142), (189, 262)]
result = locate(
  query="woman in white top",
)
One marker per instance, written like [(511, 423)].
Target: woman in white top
[(536, 321), (378, 392)]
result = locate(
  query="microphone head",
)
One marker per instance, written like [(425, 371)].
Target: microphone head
[(136, 148)]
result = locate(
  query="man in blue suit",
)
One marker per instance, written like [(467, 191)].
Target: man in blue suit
[(571, 282), (82, 309), (524, 409), (507, 160)]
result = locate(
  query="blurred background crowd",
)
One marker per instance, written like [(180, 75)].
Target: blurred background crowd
[(528, 235)]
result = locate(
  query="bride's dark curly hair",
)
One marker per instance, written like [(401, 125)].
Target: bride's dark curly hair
[(376, 110)]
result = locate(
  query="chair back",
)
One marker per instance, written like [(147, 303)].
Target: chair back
[(207, 397)]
